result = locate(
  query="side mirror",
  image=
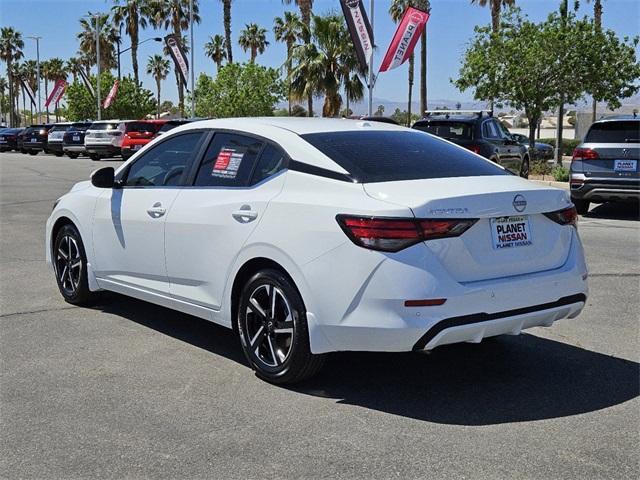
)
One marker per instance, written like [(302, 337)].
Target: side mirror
[(103, 178)]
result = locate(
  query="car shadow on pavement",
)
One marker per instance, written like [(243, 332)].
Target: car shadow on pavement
[(616, 211), (501, 380)]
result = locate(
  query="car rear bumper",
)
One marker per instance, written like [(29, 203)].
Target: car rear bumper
[(74, 148), (103, 150), (55, 147), (34, 146), (373, 316), (603, 190)]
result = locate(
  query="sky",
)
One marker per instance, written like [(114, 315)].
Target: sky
[(449, 30)]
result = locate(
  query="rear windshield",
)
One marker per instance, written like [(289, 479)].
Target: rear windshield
[(59, 128), (79, 126), (614, 132), (103, 126), (386, 156), (141, 127), (169, 125), (448, 130)]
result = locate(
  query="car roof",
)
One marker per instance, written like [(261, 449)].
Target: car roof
[(619, 118), (451, 118), (297, 125)]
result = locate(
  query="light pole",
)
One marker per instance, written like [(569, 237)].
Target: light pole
[(193, 96), (120, 52), (371, 69), (96, 17), (37, 39)]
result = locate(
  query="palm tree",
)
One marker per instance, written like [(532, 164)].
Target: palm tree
[(73, 66), (253, 38), (29, 73), (597, 18), (11, 45), (226, 19), (158, 67), (321, 65), (3, 87), (215, 50), (496, 7), (131, 14), (396, 10), (305, 7), (288, 30), (16, 71), (44, 75), (173, 15), (108, 38), (56, 71)]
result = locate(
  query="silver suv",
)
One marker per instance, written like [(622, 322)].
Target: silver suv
[(605, 166)]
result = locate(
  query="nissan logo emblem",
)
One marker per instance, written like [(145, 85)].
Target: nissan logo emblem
[(519, 203)]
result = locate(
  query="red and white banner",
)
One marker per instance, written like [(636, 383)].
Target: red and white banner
[(404, 41), (56, 93), (112, 95)]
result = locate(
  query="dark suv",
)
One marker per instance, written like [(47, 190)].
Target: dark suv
[(605, 166), (73, 139), (479, 132), (35, 139)]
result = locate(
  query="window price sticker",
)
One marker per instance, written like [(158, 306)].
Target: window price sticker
[(227, 163)]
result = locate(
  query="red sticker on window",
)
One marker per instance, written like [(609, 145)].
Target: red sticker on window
[(222, 162)]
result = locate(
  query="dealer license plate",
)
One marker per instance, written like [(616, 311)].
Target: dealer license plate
[(511, 232), (625, 165), (34, 140), (137, 147), (76, 138)]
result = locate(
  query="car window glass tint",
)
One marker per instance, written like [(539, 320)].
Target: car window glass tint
[(271, 161), (384, 156), (228, 161), (164, 164), (489, 130), (447, 129), (614, 132)]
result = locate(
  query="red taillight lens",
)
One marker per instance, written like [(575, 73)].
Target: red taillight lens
[(474, 148), (393, 234), (584, 154), (566, 216)]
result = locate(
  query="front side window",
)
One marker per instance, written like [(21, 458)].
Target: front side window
[(228, 161), (386, 156), (165, 163)]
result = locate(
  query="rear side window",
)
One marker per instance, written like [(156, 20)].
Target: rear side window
[(614, 132), (228, 161), (169, 125), (386, 156), (103, 126), (271, 162), (448, 130), (140, 127)]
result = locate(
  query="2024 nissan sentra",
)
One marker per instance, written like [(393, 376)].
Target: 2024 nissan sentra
[(309, 236)]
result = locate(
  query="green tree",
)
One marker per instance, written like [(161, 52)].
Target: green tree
[(11, 45), (239, 90), (55, 71), (305, 7), (288, 29), (174, 15), (132, 101), (131, 14), (74, 66), (254, 39), (215, 50), (3, 90), (526, 65), (158, 67), (496, 7)]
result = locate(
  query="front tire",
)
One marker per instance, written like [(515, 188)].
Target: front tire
[(70, 266), (274, 335), (582, 206), (94, 157), (72, 155)]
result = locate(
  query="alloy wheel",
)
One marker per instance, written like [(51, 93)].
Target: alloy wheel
[(269, 326), (68, 264)]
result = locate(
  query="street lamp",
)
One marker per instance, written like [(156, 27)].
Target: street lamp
[(96, 17), (37, 39), (120, 52)]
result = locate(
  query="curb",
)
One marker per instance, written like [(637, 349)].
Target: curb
[(551, 183)]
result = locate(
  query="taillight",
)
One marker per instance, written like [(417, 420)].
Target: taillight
[(395, 234), (584, 154), (474, 148), (566, 216)]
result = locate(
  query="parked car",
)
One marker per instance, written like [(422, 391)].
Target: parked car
[(20, 141), (55, 138), (73, 139), (605, 166), (171, 124), (314, 235), (35, 139), (136, 134), (102, 139), (479, 132), (541, 151), (9, 139), (376, 118)]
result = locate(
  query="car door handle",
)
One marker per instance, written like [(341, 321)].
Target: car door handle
[(245, 214), (157, 210)]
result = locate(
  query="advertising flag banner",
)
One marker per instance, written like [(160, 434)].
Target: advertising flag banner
[(178, 56), (359, 29), (404, 41), (27, 88), (87, 83), (112, 95), (56, 93)]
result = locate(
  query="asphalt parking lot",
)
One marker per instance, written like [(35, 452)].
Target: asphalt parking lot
[(128, 389)]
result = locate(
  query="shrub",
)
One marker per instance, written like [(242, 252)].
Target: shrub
[(568, 144), (540, 167), (561, 174)]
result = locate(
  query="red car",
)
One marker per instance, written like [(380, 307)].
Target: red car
[(136, 134)]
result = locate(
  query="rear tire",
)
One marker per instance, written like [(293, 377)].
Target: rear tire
[(58, 154), (94, 157), (70, 267), (274, 335), (582, 206), (524, 170), (72, 155), (33, 152)]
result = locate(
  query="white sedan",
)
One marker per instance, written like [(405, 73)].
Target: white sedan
[(309, 236)]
